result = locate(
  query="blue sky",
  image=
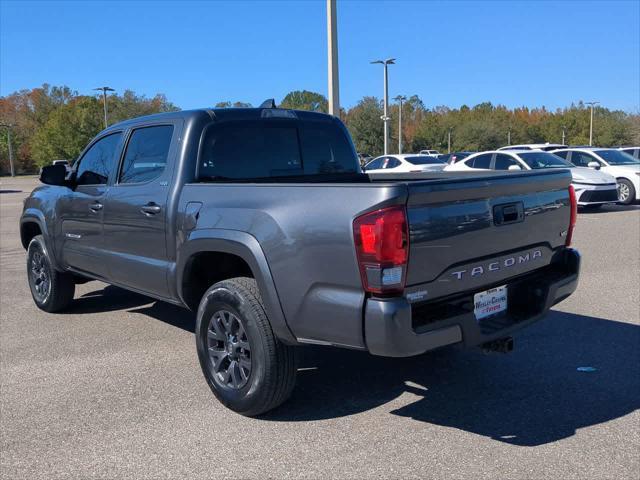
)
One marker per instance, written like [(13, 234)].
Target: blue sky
[(449, 53)]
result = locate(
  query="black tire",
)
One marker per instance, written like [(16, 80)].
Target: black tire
[(268, 378), (623, 184), (52, 291)]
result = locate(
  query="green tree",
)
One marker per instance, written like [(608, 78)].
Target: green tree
[(305, 100), (365, 126)]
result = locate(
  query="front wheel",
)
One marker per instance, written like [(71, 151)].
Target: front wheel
[(248, 369), (626, 191), (52, 291)]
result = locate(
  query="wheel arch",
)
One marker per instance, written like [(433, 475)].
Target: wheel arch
[(236, 254)]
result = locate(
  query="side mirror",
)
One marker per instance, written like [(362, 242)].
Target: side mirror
[(595, 165), (54, 175), (515, 168)]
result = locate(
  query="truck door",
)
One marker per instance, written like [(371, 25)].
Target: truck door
[(81, 212), (135, 212)]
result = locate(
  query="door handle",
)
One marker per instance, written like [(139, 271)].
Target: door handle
[(95, 207), (150, 209)]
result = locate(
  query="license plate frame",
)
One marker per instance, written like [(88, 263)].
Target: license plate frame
[(488, 303)]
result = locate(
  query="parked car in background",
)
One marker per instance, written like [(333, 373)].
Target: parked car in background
[(624, 167), (593, 188), (633, 151), (433, 153), (545, 147), (454, 157), (404, 163)]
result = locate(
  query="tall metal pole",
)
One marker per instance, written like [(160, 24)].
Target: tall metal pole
[(385, 116), (104, 101), (400, 98), (332, 52), (8, 126), (509, 136), (563, 130), (592, 104), (449, 142)]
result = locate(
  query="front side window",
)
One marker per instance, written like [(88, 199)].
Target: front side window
[(426, 160), (540, 159), (146, 154), (503, 162), (481, 161), (98, 161), (582, 159), (563, 154)]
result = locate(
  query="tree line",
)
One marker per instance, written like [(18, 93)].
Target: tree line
[(50, 123)]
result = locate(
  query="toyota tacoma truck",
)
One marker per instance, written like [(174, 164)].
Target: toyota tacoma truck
[(262, 222)]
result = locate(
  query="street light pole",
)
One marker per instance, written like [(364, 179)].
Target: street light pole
[(104, 101), (563, 135), (400, 98), (385, 116), (592, 104), (8, 126), (332, 51), (449, 141), (509, 136)]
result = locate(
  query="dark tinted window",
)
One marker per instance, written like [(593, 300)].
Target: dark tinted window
[(503, 162), (264, 149), (325, 149), (616, 157), (582, 159), (98, 161), (563, 154), (481, 161), (391, 162), (543, 160), (146, 154), (374, 164)]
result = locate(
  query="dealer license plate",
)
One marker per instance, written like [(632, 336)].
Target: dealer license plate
[(490, 302)]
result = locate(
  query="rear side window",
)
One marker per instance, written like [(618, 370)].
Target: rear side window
[(146, 154), (374, 164), (481, 161), (98, 161), (265, 149)]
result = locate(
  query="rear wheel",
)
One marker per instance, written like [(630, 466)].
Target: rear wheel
[(248, 369), (626, 191), (52, 291)]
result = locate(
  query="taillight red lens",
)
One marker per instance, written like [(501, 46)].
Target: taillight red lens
[(382, 248), (573, 215)]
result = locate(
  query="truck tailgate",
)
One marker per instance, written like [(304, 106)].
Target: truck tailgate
[(470, 231)]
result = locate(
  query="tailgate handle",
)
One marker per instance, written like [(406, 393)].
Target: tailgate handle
[(508, 213)]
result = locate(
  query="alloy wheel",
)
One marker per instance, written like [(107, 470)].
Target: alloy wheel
[(40, 278), (229, 350)]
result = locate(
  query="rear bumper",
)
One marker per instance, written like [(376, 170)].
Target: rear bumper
[(396, 328)]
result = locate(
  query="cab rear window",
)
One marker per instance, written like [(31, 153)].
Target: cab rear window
[(270, 149)]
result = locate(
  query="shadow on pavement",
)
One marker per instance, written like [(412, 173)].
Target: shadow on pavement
[(609, 208), (530, 397), (10, 191)]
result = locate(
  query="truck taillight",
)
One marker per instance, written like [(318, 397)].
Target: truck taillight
[(573, 216), (382, 249)]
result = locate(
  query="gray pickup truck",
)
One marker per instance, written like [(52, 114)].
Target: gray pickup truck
[(262, 222)]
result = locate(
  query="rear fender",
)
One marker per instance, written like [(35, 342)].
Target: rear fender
[(246, 247)]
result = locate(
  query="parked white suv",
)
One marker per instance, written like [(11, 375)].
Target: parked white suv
[(534, 146), (621, 165), (593, 188), (431, 153)]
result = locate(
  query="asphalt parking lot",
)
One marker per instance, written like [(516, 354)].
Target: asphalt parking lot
[(113, 389)]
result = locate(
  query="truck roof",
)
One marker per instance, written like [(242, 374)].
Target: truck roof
[(225, 114)]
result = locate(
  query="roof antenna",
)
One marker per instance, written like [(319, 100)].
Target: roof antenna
[(270, 103)]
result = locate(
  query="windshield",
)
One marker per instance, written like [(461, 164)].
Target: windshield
[(544, 160), (424, 160), (616, 157)]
